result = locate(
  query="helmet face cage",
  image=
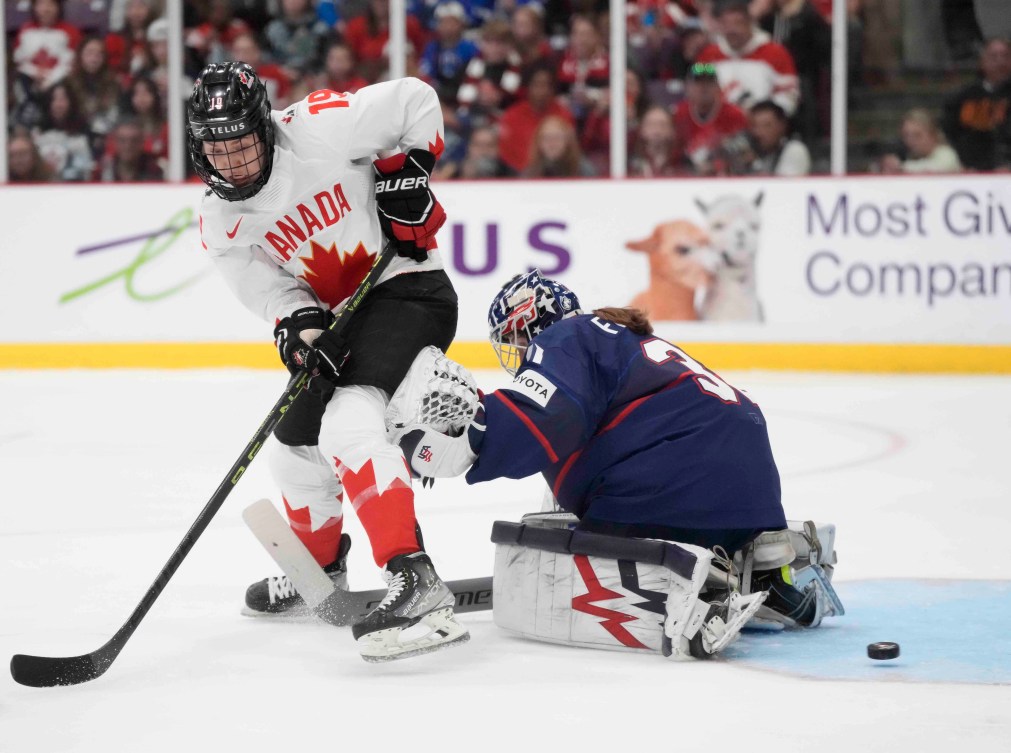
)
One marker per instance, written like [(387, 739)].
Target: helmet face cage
[(524, 308), (228, 104)]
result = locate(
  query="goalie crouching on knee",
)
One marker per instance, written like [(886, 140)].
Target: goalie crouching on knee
[(636, 440)]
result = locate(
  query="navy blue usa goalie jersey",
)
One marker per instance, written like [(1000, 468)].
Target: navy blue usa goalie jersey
[(630, 430)]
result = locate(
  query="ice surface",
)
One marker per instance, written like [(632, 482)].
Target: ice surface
[(103, 472)]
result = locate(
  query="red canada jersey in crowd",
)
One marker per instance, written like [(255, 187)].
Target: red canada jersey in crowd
[(704, 136), (762, 70), (310, 235)]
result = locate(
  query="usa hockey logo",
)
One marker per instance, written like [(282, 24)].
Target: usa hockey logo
[(425, 453)]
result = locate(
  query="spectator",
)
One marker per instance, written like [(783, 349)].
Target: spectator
[(482, 160), (94, 85), (125, 160), (44, 47), (584, 70), (555, 152), (519, 122), (529, 40), (445, 59), (655, 155), (773, 151), (704, 119), (595, 137), (492, 79), (63, 138), (211, 40), (144, 103), (128, 50), (274, 77), (926, 151), (296, 39), (24, 163), (339, 70), (368, 34), (653, 44), (751, 67), (798, 26), (976, 119)]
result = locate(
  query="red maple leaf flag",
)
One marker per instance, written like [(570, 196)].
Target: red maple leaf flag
[(335, 275)]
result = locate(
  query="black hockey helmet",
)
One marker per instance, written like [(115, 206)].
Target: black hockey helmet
[(228, 102)]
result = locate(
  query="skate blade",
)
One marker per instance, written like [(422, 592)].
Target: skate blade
[(295, 614), (443, 632)]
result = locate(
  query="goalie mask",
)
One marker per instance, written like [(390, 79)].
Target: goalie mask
[(229, 133), (525, 307)]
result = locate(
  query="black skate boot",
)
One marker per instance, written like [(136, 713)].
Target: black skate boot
[(415, 617), (791, 606), (277, 597)]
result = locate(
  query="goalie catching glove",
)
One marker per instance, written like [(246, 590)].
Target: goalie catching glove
[(409, 213), (305, 343), (436, 416)]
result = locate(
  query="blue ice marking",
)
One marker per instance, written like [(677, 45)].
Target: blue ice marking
[(948, 630)]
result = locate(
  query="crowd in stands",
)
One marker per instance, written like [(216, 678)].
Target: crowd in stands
[(713, 87)]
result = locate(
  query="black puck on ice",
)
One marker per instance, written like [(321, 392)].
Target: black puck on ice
[(883, 650)]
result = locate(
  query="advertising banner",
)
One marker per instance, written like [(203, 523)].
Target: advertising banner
[(818, 260)]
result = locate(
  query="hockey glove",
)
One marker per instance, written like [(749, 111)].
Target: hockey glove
[(432, 454), (409, 213), (296, 353)]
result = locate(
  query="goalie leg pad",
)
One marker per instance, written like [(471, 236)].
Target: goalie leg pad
[(590, 590)]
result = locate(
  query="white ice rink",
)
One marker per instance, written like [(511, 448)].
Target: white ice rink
[(103, 472)]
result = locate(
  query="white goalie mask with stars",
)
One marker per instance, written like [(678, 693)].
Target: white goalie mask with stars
[(526, 306)]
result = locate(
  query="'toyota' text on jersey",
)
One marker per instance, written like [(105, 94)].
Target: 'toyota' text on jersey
[(631, 429), (310, 235)]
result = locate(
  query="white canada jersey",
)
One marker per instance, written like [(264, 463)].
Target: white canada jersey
[(310, 235)]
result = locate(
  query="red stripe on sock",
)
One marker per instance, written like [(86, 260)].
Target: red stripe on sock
[(322, 543), (387, 516)]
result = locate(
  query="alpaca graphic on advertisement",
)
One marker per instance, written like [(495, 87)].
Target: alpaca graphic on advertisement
[(734, 226), (676, 272)]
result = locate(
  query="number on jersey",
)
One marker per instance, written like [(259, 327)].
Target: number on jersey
[(321, 99), (660, 352)]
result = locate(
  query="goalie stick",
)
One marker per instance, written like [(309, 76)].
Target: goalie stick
[(331, 604), (46, 671)]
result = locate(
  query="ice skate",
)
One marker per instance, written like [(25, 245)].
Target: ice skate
[(277, 596), (801, 599), (415, 617)]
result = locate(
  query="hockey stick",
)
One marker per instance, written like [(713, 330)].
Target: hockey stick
[(331, 604), (44, 671)]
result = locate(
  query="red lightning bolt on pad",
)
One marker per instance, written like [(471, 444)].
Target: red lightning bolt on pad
[(613, 621)]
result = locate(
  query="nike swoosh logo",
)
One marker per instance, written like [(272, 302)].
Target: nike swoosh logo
[(235, 229)]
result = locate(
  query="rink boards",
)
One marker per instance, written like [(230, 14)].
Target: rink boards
[(857, 274)]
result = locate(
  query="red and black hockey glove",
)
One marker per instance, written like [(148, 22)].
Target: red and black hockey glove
[(325, 357), (408, 210), (296, 354)]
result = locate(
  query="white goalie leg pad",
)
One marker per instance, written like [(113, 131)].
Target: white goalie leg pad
[(437, 393), (545, 590)]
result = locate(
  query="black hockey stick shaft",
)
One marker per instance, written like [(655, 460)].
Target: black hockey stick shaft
[(343, 608), (44, 671)]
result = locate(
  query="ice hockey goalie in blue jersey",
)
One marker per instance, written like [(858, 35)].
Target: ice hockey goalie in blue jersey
[(633, 436)]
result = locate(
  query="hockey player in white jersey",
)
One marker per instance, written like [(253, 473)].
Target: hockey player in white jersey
[(297, 209)]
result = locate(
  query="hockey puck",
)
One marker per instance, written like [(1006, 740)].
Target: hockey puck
[(883, 650)]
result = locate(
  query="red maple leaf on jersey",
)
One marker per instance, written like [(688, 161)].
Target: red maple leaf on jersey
[(333, 274), (438, 147)]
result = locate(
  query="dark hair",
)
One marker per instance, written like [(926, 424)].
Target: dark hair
[(74, 121), (635, 319), (539, 67), (730, 6), (767, 105)]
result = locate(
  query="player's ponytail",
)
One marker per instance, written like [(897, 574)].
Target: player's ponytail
[(635, 319)]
